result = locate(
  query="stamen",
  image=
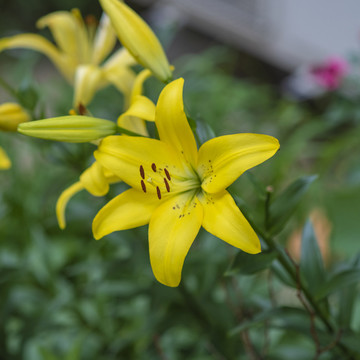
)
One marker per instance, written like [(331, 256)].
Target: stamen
[(82, 109), (143, 186), (167, 185), (167, 174), (158, 192), (142, 172), (153, 166)]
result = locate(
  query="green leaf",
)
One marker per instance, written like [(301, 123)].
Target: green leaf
[(28, 97), (351, 340), (311, 263), (282, 274), (284, 205), (75, 351), (338, 281), (282, 314), (204, 131), (347, 301), (46, 354), (247, 264)]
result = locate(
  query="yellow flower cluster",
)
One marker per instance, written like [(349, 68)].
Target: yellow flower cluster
[(175, 187)]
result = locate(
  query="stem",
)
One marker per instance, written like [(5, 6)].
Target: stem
[(122, 130)]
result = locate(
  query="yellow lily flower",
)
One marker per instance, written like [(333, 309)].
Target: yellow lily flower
[(176, 188), (80, 53), (11, 115), (5, 162), (96, 179), (138, 38)]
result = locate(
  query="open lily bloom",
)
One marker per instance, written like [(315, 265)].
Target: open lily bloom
[(80, 54), (5, 162), (138, 38), (96, 179), (177, 188)]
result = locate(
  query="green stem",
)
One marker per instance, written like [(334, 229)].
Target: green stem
[(122, 130)]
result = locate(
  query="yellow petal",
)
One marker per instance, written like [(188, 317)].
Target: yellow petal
[(5, 162), (11, 115), (223, 219), (172, 123), (138, 38), (126, 211), (141, 108), (64, 63), (94, 181), (64, 198), (173, 228), (88, 79), (72, 128), (117, 70), (64, 29), (104, 41), (84, 42), (144, 163), (223, 159), (138, 84)]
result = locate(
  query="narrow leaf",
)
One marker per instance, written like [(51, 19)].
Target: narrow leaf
[(338, 281), (311, 263), (283, 206), (247, 264)]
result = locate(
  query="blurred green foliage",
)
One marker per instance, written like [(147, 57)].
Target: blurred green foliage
[(66, 296)]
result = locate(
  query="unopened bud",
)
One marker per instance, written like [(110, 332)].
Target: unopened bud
[(74, 129)]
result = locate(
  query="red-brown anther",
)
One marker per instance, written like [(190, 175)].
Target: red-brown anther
[(153, 166), (82, 109), (167, 174), (167, 185), (142, 172), (143, 186), (158, 192)]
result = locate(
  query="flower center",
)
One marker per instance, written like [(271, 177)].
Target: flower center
[(165, 180)]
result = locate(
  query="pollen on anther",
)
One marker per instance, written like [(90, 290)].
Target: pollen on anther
[(167, 174), (158, 193), (167, 185), (142, 172), (153, 166), (143, 186)]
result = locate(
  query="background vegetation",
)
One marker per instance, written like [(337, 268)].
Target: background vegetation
[(64, 295)]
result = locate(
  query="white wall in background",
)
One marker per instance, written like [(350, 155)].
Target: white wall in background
[(285, 32)]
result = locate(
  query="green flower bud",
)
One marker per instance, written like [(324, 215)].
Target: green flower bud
[(74, 129)]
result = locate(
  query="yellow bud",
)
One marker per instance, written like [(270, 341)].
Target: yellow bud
[(11, 115), (73, 128), (138, 38)]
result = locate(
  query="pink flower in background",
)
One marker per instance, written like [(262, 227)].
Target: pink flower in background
[(330, 74)]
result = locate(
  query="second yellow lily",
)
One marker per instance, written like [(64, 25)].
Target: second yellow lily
[(80, 53)]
